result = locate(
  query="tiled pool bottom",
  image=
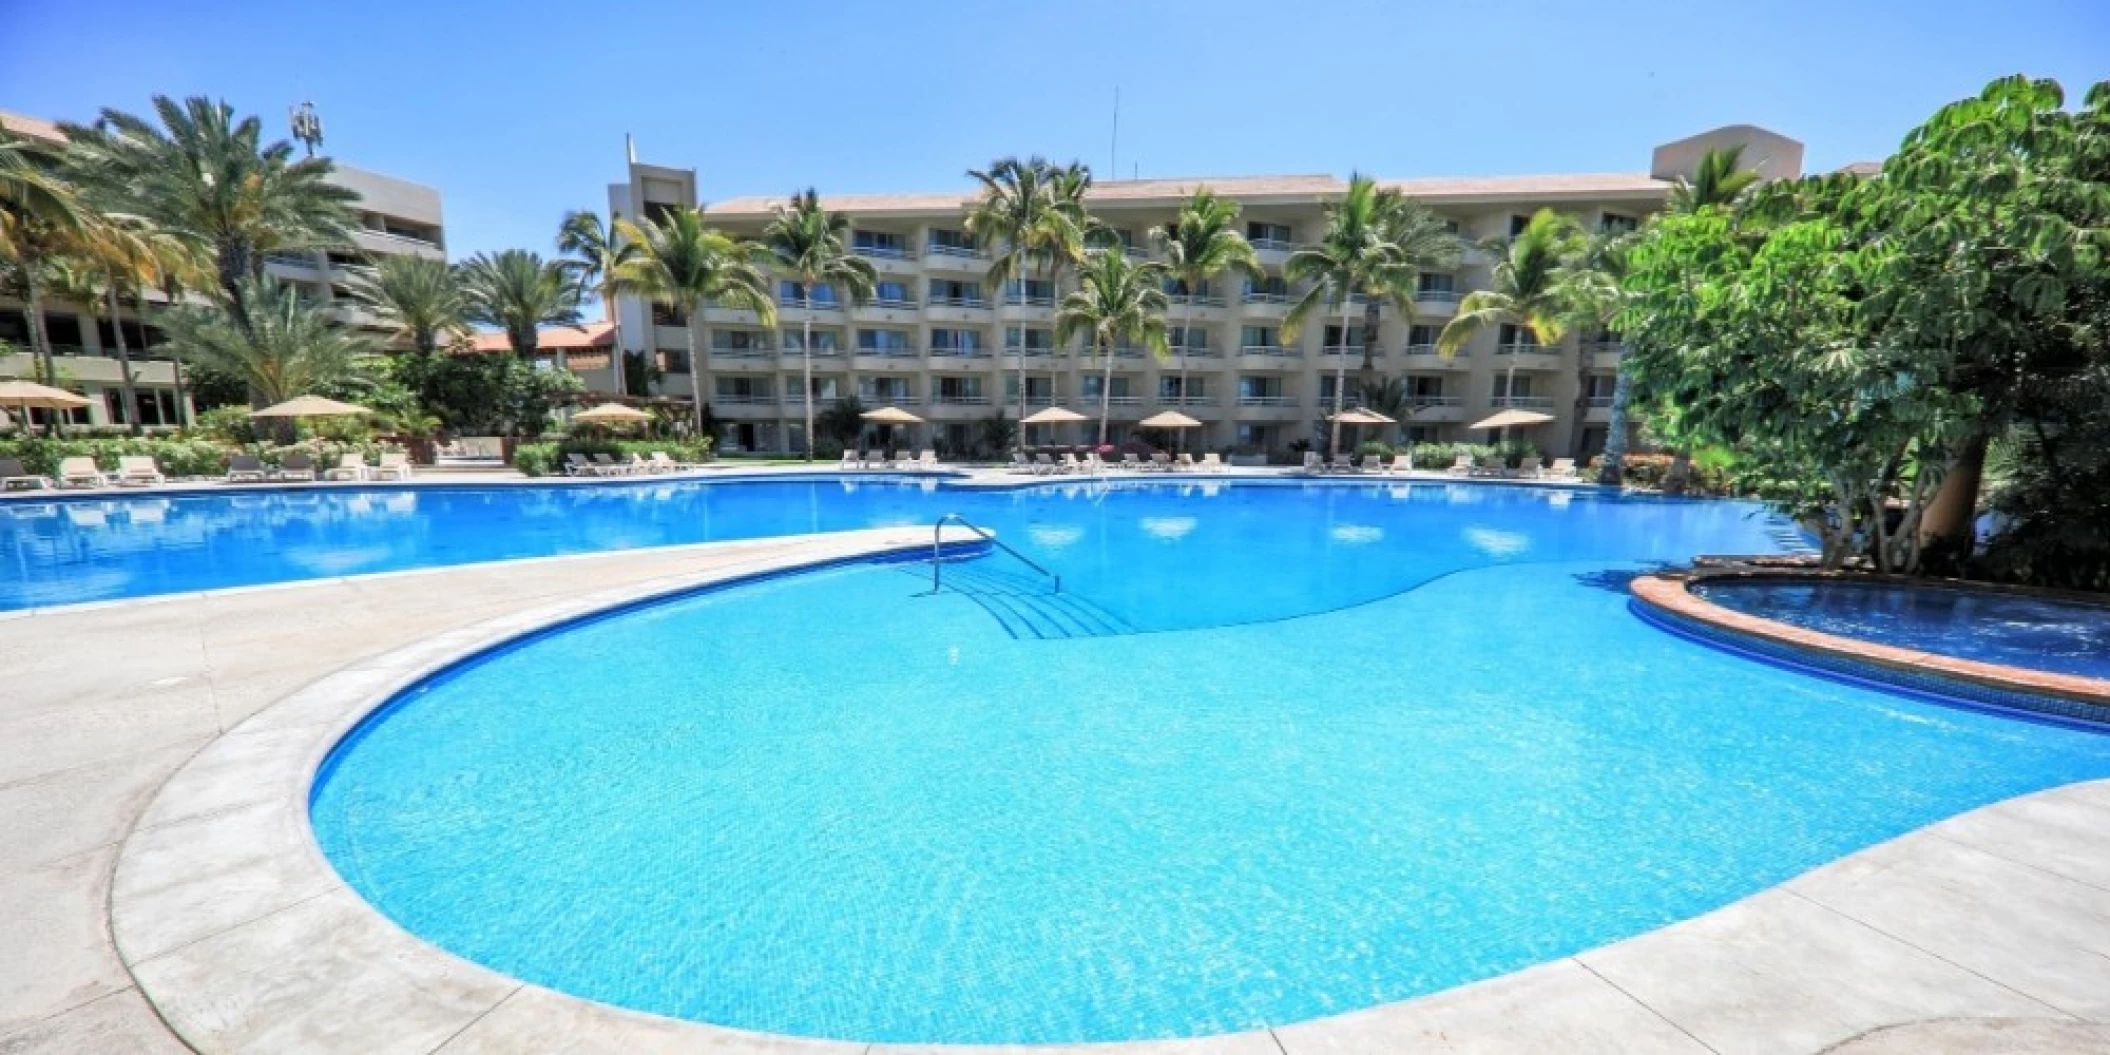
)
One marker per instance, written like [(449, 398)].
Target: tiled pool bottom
[(899, 823)]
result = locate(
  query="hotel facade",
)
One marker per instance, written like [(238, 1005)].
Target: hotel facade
[(394, 217), (942, 341)]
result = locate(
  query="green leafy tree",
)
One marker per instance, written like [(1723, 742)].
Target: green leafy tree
[(1720, 180), (1030, 214), (420, 299), (811, 246), (1200, 244), (199, 170), (1117, 300), (843, 421), (42, 216), (519, 292), (289, 347), (685, 264), (598, 253)]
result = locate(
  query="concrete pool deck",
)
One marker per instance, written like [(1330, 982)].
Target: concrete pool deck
[(147, 732)]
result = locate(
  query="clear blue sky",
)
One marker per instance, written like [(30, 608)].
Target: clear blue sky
[(516, 110)]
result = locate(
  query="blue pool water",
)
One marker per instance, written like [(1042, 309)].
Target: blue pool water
[(1387, 740), (2010, 629)]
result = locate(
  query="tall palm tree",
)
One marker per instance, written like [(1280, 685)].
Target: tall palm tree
[(422, 299), (41, 217), (203, 172), (1534, 288), (519, 292), (1422, 241), (1028, 211), (1202, 242), (1355, 256), (811, 246), (120, 255), (1116, 300), (685, 264), (287, 347), (598, 253), (1594, 279), (1719, 179)]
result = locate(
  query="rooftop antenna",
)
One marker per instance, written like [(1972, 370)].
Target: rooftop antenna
[(1113, 153), (307, 125)]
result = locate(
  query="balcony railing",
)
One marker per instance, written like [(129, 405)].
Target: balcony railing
[(809, 303), (1199, 300), (1196, 400), (1604, 347), (907, 351), (744, 399), (1273, 350), (1600, 402), (959, 302), (1434, 401), (873, 398), (966, 252), (885, 252), (1522, 348), (1524, 402), (793, 351), (959, 353), (1041, 400), (1091, 399), (1267, 401), (1202, 352), (1419, 349), (1272, 244), (1345, 349), (891, 302), (300, 260), (1438, 296), (942, 399), (1030, 351), (752, 352), (1017, 299), (1263, 297)]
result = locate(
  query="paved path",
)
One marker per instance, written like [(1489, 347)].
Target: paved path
[(1990, 929)]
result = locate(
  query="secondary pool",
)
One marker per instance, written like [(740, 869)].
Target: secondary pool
[(2016, 630), (1385, 740)]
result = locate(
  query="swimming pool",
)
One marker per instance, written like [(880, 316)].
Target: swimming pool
[(2017, 630), (1382, 740)]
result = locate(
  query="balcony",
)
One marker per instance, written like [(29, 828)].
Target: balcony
[(1599, 411), (389, 244), (1269, 357), (1020, 299), (296, 261), (884, 252), (1435, 409), (1264, 305), (1352, 350), (880, 399), (957, 309), (961, 353), (905, 358), (744, 399), (944, 400), (1204, 352), (1528, 356), (1605, 355), (1522, 402), (1423, 357), (955, 258), (1031, 351), (1272, 251), (1429, 303), (1267, 401)]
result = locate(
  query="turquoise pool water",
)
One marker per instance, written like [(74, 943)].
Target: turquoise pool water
[(2015, 630), (1385, 740)]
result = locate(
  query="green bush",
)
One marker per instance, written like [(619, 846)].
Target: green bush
[(547, 459), (1373, 449), (228, 424), (175, 456)]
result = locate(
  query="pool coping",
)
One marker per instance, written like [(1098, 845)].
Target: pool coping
[(241, 934), (1668, 600)]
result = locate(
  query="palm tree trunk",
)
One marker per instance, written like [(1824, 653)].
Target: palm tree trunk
[(1613, 471), (1582, 400), (1340, 381), (1947, 528), (1106, 389), (1186, 339), (806, 397), (615, 338), (39, 343), (699, 370), (124, 362), (1370, 324)]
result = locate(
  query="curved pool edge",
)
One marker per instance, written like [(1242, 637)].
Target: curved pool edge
[(1666, 600), (241, 934)]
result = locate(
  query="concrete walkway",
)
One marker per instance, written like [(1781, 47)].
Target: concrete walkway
[(1991, 930)]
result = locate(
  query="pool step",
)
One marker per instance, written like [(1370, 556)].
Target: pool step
[(1024, 605)]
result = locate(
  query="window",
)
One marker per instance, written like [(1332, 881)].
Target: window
[(891, 293), (1256, 337), (1354, 341), (962, 388), (1170, 388), (1503, 389), (951, 242), (789, 292), (1518, 336), (1029, 291), (1613, 223), (1259, 387), (1422, 387), (1037, 388), (1034, 339), (1434, 282), (665, 315), (961, 341), (879, 243), (1177, 288), (1192, 338), (1267, 235), (881, 341), (673, 361), (1601, 386), (825, 342), (743, 388), (883, 389), (739, 341), (1421, 337), (1095, 384), (1517, 225), (954, 292), (1271, 287)]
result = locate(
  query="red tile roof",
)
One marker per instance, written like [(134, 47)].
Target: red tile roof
[(552, 338)]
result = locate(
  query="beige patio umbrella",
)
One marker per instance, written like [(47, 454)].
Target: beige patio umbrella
[(1511, 419), (612, 414), (310, 407), (1359, 416), (28, 395), (891, 416), (1050, 416), (1170, 419)]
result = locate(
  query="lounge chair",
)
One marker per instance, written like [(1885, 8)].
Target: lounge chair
[(1314, 462), (1161, 461), (927, 460), (1044, 465), (12, 474), (1563, 469), (1401, 463), (296, 465), (1373, 463), (1094, 465), (138, 470), (665, 464), (1341, 463), (576, 464), (80, 472), (1527, 469), (246, 468), (608, 466), (395, 465), (849, 459), (1070, 464), (1212, 463), (350, 467), (1185, 463), (1492, 465), (1463, 466), (1130, 462)]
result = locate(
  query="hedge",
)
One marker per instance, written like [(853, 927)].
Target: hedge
[(176, 457), (547, 459)]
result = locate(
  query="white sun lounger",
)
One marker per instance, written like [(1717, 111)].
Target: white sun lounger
[(138, 470), (395, 465), (246, 468), (12, 474), (350, 467)]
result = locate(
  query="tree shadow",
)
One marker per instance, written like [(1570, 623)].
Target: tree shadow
[(1616, 580)]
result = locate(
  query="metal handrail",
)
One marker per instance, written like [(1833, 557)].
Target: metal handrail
[(937, 544)]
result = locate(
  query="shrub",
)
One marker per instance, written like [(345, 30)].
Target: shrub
[(229, 424), (547, 459), (1374, 449), (175, 456)]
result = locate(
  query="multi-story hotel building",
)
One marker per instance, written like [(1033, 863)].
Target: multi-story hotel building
[(940, 340), (395, 217)]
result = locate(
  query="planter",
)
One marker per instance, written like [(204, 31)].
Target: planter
[(423, 451)]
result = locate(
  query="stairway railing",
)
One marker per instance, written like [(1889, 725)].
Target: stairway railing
[(937, 561)]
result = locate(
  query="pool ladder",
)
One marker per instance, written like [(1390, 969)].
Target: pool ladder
[(937, 559)]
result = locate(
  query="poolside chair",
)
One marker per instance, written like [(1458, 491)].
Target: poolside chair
[(296, 465), (575, 464), (1401, 463), (395, 465), (1044, 465), (246, 468), (608, 466), (1373, 463), (1562, 469), (849, 459), (927, 460), (1492, 465), (1462, 466), (1527, 469), (1130, 462), (665, 464), (352, 466), (138, 470), (1313, 462), (1212, 463), (12, 474), (1094, 465), (1341, 463), (1185, 463), (1020, 463)]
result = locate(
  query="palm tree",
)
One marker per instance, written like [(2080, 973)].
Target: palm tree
[(519, 292), (1719, 179), (843, 421), (119, 255), (203, 173), (1422, 241), (1034, 212), (1594, 279), (1116, 300), (1533, 288), (1354, 256), (288, 346), (41, 216), (1202, 242), (810, 246), (684, 264), (422, 299), (598, 253)]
